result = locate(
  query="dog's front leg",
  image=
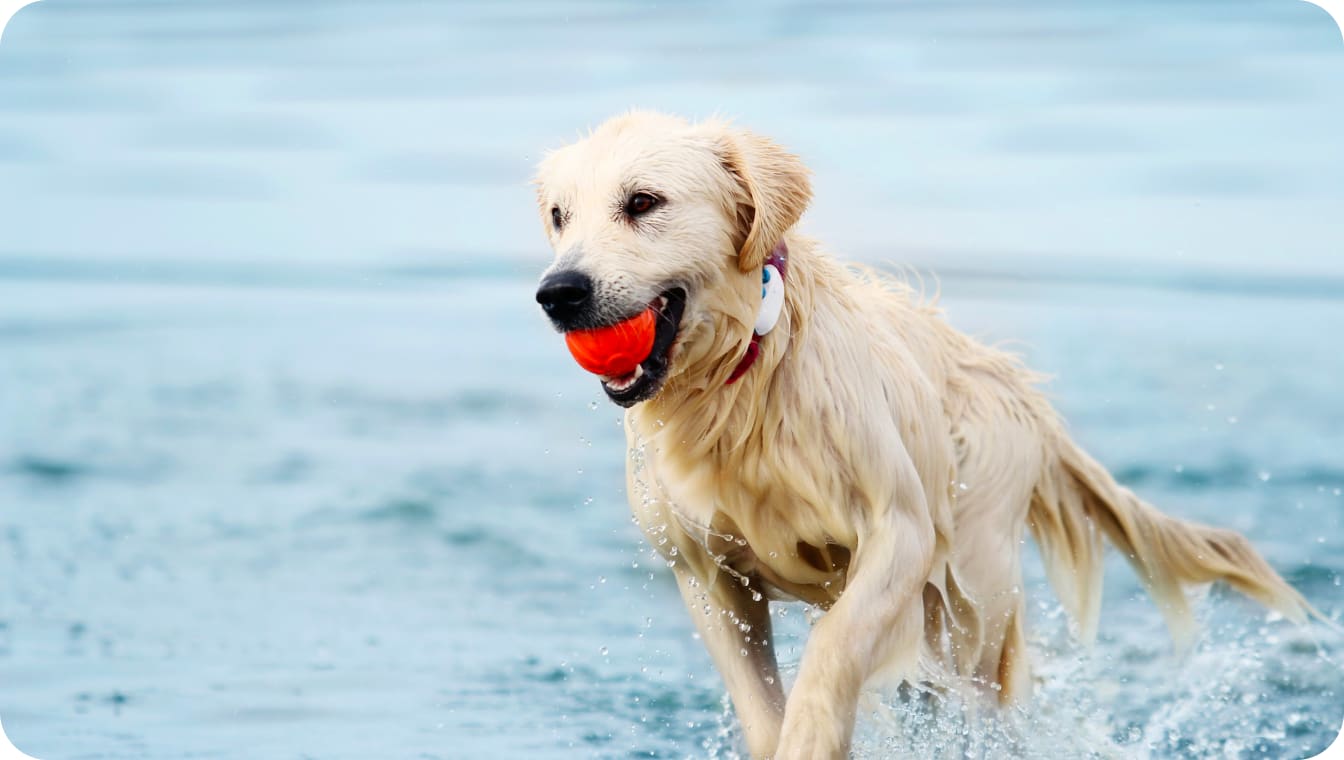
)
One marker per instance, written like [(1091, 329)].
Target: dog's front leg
[(734, 624), (877, 620)]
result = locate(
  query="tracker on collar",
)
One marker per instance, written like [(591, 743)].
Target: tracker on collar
[(772, 306)]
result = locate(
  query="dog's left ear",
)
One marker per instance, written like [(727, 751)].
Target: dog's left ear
[(775, 192)]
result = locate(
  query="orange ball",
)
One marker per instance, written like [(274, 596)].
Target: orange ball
[(614, 351)]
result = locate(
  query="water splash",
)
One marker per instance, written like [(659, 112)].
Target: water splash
[(1237, 694)]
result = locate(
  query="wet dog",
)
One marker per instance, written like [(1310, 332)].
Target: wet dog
[(805, 430)]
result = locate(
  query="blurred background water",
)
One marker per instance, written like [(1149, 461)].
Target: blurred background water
[(291, 467)]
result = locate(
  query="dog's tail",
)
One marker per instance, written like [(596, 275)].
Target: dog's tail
[(1077, 502)]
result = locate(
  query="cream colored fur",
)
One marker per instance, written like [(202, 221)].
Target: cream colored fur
[(874, 461)]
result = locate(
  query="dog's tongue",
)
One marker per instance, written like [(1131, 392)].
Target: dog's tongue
[(617, 350)]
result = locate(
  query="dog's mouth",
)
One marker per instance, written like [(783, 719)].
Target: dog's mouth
[(648, 376)]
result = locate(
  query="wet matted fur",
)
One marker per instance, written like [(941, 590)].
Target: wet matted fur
[(873, 460)]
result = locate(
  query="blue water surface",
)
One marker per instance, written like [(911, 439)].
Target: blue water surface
[(290, 465)]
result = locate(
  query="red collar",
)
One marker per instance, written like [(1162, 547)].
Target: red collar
[(779, 257)]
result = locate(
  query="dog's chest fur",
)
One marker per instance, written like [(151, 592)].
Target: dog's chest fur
[(751, 526)]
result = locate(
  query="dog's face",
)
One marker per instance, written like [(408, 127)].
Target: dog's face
[(650, 211)]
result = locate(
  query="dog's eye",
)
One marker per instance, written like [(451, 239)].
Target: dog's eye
[(556, 217), (640, 204)]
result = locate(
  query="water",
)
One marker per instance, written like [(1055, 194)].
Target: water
[(291, 467)]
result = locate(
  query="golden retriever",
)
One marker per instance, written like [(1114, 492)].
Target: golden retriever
[(862, 455)]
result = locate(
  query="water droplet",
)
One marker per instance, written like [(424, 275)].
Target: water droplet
[(1231, 420), (603, 650), (1264, 476), (592, 405)]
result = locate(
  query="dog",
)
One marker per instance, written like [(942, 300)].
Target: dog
[(842, 445)]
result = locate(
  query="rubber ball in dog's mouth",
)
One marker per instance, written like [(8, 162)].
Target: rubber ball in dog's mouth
[(615, 351)]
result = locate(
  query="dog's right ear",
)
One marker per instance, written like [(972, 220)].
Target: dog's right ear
[(775, 190)]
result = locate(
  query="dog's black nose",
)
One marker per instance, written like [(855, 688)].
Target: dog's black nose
[(565, 294)]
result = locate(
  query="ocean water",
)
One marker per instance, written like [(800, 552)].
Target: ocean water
[(290, 465)]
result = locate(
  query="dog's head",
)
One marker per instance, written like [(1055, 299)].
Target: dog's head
[(651, 211)]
